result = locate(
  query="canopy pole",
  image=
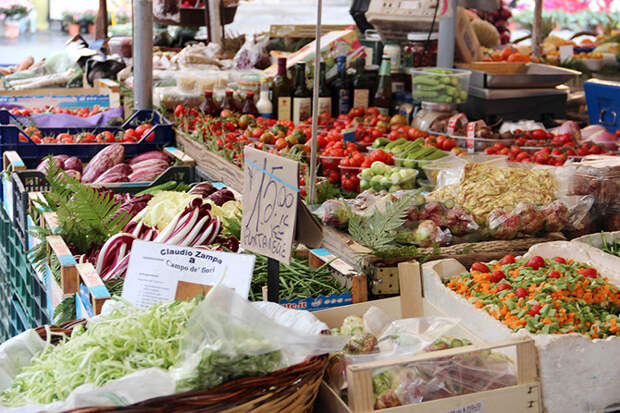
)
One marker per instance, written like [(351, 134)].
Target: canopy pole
[(142, 54), (537, 29), (445, 44), (315, 103)]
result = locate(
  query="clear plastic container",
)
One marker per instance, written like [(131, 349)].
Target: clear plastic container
[(170, 97), (437, 85), (392, 183), (415, 51), (433, 168)]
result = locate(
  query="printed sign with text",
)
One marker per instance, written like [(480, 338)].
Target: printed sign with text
[(269, 204), (156, 270)]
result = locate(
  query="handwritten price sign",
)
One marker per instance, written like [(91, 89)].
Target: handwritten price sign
[(269, 204)]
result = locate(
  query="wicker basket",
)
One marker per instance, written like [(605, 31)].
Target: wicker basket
[(290, 390)]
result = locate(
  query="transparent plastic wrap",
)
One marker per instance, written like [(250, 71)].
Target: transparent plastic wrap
[(528, 219), (253, 53), (596, 175), (333, 212), (167, 10), (199, 54), (227, 338), (375, 336), (422, 381)]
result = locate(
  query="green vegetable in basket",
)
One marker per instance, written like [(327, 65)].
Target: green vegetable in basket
[(120, 343)]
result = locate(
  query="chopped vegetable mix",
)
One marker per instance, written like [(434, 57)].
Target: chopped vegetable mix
[(552, 296)]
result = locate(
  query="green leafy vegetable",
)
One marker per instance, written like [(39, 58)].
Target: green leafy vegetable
[(120, 343)]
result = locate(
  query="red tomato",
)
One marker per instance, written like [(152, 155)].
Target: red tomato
[(560, 260), (539, 134), (588, 272), (497, 276), (534, 310), (508, 259), (554, 274), (480, 267), (521, 292), (503, 287), (105, 137), (536, 262)]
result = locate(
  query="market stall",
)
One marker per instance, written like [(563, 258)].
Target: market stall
[(313, 218)]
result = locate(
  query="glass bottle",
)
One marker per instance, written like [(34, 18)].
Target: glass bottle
[(208, 106), (264, 105), (383, 96), (302, 98), (282, 92), (341, 89), (229, 102), (249, 108), (325, 96), (361, 86)]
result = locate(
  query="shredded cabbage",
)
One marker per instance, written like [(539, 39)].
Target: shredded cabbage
[(164, 206), (121, 342)]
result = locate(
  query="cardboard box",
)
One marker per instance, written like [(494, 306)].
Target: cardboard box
[(333, 44), (577, 374)]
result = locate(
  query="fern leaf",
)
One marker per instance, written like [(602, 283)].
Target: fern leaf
[(378, 231)]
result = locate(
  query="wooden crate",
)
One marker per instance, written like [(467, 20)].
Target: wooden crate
[(75, 276), (525, 396), (214, 165), (342, 272), (380, 270)]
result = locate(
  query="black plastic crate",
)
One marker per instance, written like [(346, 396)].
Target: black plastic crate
[(13, 138)]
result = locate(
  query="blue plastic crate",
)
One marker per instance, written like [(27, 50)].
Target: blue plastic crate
[(18, 321), (603, 99), (31, 153)]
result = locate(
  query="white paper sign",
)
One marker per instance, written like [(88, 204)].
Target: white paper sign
[(566, 52), (155, 271)]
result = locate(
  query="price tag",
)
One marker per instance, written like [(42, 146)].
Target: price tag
[(269, 204), (566, 52), (471, 137), (162, 272), (348, 135), (454, 121)]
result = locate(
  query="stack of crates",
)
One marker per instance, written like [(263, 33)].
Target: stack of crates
[(23, 298)]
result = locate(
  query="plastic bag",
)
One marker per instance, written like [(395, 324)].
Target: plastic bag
[(405, 337), (333, 212), (253, 53), (167, 10), (227, 338), (443, 377)]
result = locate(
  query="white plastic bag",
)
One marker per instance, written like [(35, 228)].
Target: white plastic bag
[(227, 338)]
